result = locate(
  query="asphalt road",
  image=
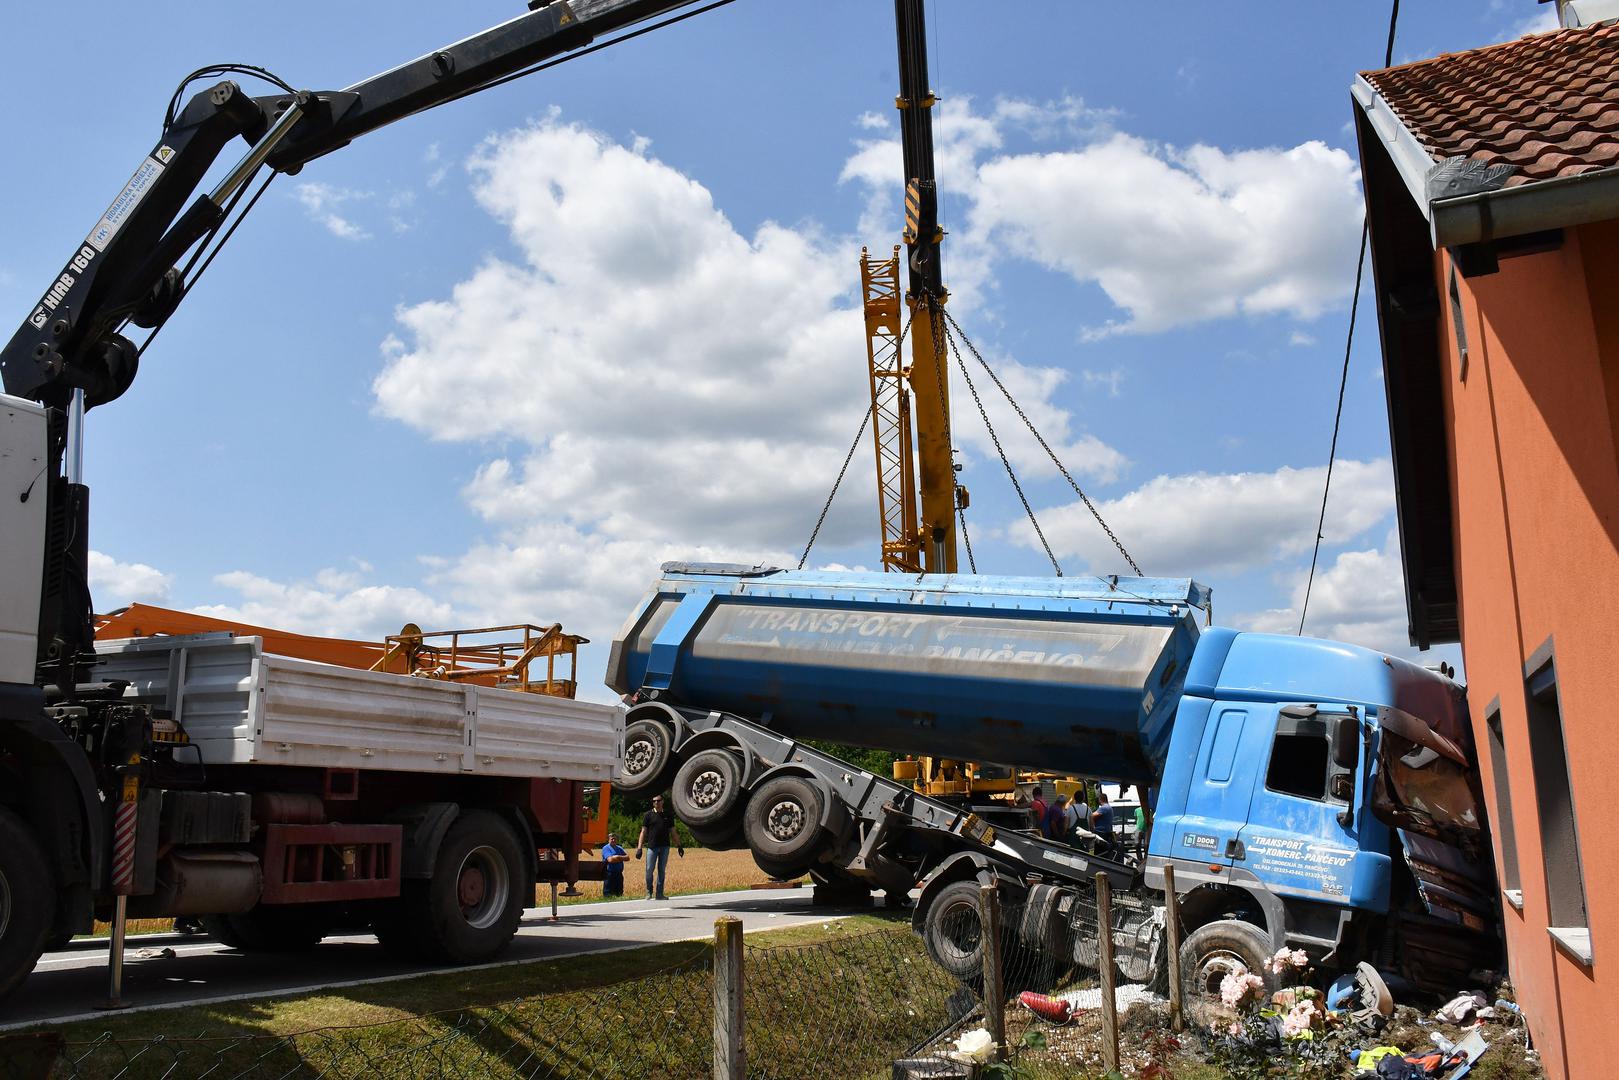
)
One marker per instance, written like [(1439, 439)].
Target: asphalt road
[(68, 984)]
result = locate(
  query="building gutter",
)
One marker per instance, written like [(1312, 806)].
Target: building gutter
[(1483, 216), (1528, 208), (1411, 160)]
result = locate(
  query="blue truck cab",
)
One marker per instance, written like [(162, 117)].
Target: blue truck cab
[(1325, 794)]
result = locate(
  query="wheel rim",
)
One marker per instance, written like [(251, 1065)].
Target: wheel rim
[(960, 932), (482, 887), (785, 821), (1213, 969), (5, 905), (638, 756), (707, 788)]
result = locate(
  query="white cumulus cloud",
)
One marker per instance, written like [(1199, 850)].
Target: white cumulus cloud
[(334, 603), (1174, 235), (324, 203), (116, 584), (1359, 598), (1200, 524)]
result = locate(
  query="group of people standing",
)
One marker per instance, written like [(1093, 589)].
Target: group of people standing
[(1070, 820), (657, 831)]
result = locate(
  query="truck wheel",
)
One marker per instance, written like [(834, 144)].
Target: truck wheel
[(468, 910), (708, 789), (276, 928), (647, 758), (780, 869), (954, 931), (27, 901), (1215, 950), (783, 820), (726, 836)]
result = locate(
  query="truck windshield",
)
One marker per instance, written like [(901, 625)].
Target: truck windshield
[(1425, 791)]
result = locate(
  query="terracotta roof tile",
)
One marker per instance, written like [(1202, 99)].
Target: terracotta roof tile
[(1546, 104)]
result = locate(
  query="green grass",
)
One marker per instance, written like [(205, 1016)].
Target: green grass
[(645, 1011)]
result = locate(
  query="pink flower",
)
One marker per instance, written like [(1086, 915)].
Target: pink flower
[(1299, 1019), (1286, 959), (1239, 986)]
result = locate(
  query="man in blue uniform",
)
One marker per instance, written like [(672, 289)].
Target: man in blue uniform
[(613, 859)]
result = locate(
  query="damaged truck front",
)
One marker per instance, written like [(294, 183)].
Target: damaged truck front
[(1308, 793), (1325, 797)]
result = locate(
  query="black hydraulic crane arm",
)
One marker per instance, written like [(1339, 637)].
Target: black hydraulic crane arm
[(915, 103), (125, 270)]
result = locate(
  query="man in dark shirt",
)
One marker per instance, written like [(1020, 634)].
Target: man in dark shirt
[(1103, 817), (1055, 827), (657, 827)]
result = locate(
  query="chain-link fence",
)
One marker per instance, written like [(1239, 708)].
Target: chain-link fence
[(880, 1003)]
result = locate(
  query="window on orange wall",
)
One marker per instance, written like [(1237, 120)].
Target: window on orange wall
[(1568, 921), (1505, 827)]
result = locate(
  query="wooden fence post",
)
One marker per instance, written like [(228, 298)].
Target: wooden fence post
[(1172, 922), (1104, 955), (730, 1056), (989, 916)]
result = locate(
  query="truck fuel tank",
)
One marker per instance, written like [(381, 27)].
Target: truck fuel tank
[(1069, 674)]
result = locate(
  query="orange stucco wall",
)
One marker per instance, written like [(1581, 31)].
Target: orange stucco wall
[(1535, 484)]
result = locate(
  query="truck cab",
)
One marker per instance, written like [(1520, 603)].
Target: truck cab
[(1325, 797)]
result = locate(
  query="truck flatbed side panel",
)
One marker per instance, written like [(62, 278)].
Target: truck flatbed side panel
[(243, 706), (1057, 673)]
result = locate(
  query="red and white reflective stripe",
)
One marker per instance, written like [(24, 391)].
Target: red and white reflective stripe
[(123, 847)]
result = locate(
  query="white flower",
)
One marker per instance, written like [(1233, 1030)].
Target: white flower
[(976, 1046)]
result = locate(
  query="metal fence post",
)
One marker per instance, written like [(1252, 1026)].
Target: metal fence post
[(1104, 960), (730, 1056), (989, 916), (1172, 922)]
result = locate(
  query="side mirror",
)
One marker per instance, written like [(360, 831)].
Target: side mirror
[(1346, 742)]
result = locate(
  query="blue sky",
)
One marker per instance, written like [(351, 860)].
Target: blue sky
[(497, 361)]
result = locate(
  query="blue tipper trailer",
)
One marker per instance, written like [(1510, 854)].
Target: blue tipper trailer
[(1308, 793)]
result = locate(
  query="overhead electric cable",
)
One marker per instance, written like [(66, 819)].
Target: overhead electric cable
[(1343, 379)]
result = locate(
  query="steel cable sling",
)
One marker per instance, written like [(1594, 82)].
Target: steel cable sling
[(861, 434), (1044, 445), (1011, 474)]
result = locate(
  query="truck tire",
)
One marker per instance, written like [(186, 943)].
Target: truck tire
[(726, 836), (27, 902), (708, 790), (1215, 950), (468, 910), (648, 757), (783, 821), (278, 928), (954, 931), (780, 869)]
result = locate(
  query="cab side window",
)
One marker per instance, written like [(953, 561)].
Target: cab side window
[(1301, 755), (1298, 765)]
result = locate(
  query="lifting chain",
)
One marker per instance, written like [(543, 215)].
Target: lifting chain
[(1011, 474), (1043, 445)]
